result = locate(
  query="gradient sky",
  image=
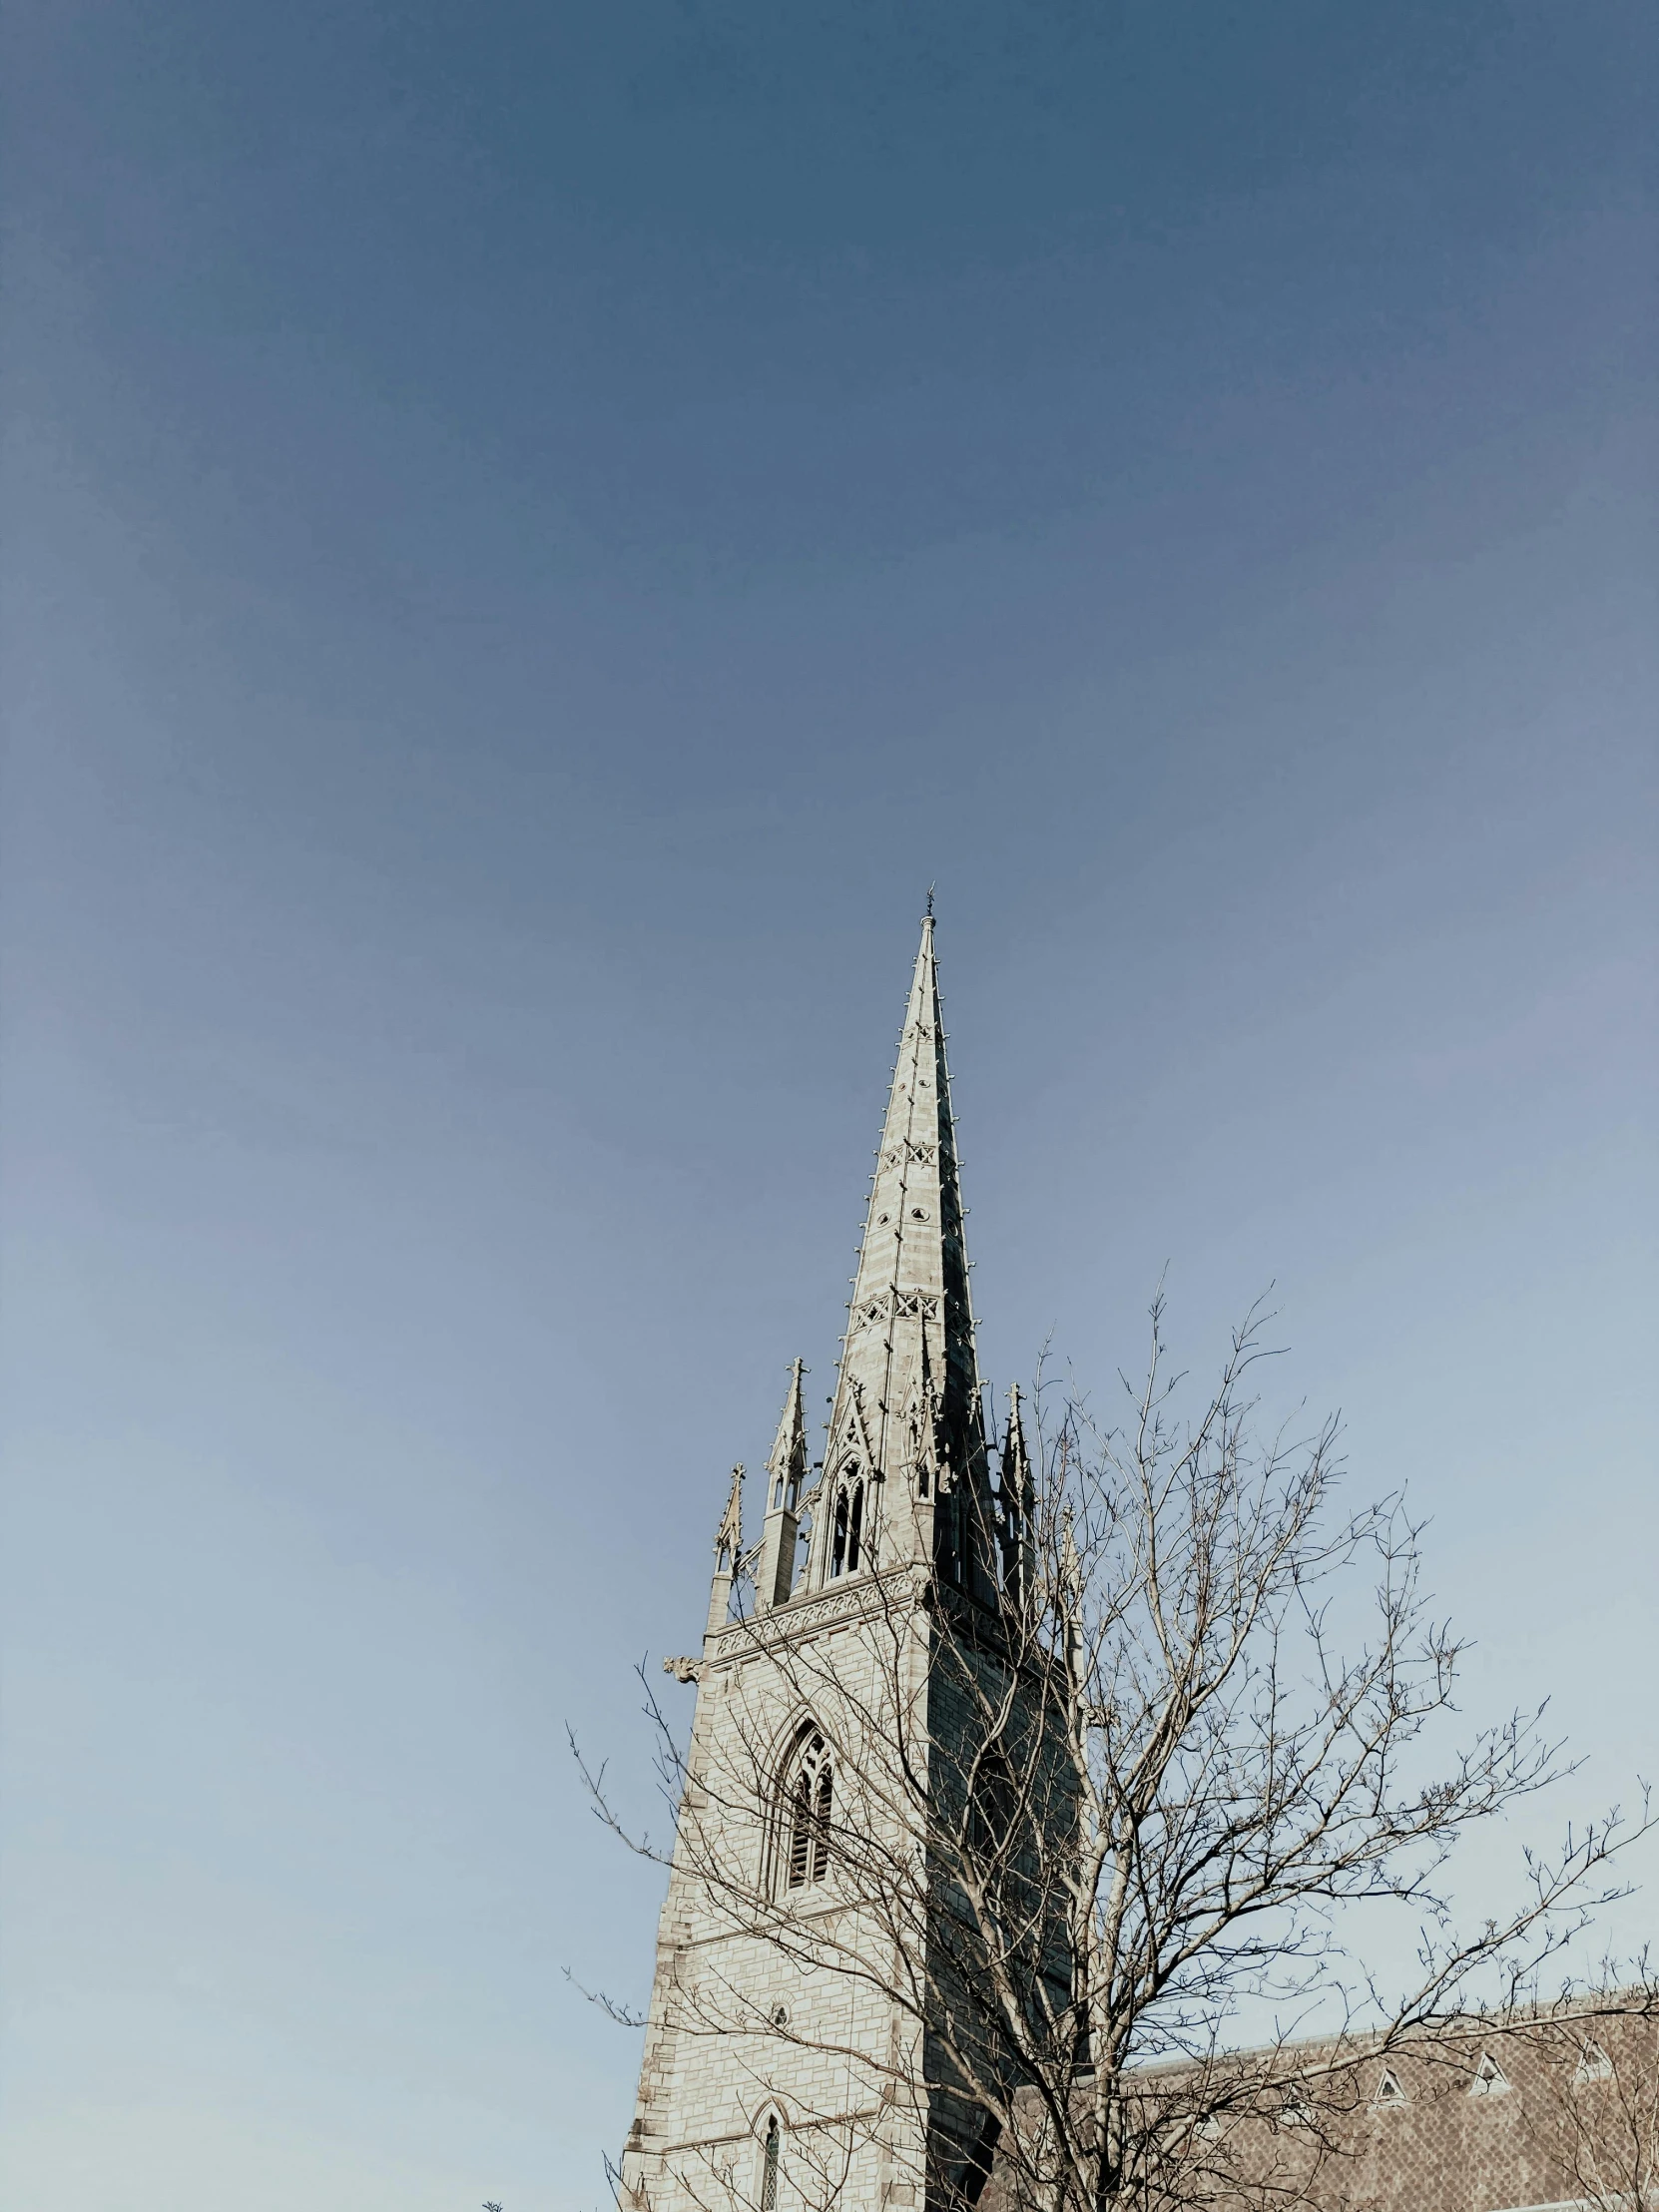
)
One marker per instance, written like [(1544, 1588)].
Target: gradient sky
[(535, 533)]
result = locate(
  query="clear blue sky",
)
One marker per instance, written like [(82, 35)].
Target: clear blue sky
[(534, 534)]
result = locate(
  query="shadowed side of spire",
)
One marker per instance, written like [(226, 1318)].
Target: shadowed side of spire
[(906, 1420)]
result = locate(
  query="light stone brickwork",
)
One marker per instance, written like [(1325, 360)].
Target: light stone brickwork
[(716, 2067), (760, 2014)]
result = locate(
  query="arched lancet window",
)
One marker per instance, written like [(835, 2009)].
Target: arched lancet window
[(806, 1811), (993, 1811), (946, 1549), (847, 1535), (771, 2156)]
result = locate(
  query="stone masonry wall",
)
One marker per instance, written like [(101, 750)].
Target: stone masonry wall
[(714, 2065)]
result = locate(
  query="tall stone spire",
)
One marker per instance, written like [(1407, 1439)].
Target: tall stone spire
[(907, 1416)]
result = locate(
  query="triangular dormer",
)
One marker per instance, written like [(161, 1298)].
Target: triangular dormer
[(1488, 2078), (1593, 2064), (1389, 2091)]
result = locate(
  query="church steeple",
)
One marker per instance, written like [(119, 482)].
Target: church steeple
[(906, 1424), (808, 1716)]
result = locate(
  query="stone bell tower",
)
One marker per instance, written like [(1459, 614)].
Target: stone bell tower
[(784, 2071)]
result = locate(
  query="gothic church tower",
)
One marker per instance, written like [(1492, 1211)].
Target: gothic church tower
[(784, 2068)]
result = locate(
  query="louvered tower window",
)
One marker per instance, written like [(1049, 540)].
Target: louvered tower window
[(808, 1808), (850, 1529), (769, 2165)]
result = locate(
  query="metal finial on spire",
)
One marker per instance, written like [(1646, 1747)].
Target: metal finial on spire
[(930, 891)]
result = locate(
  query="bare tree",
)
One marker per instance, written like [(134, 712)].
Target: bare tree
[(1084, 1836)]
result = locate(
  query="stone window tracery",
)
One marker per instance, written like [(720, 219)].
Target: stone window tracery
[(806, 1811), (847, 1534)]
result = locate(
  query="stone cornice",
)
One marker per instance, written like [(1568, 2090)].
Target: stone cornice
[(860, 1597), (900, 1590)]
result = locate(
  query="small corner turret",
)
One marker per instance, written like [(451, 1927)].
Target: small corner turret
[(1015, 1509), (728, 1555), (786, 1480)]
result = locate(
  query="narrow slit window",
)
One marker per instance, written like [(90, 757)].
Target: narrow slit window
[(823, 1808), (856, 1528), (837, 1556), (769, 2165)]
